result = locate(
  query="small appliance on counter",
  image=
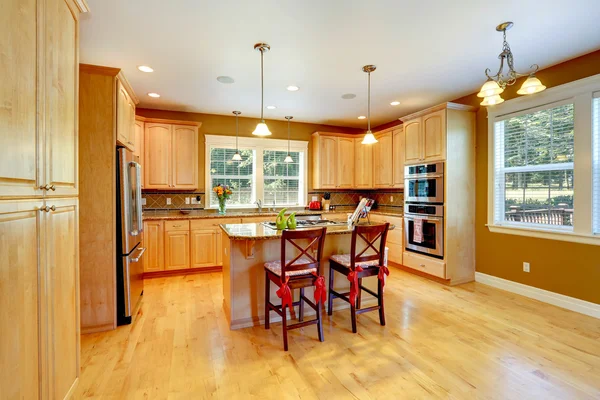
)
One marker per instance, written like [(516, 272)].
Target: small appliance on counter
[(315, 204), (362, 211)]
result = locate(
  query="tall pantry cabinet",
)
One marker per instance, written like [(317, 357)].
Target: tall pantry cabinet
[(39, 208)]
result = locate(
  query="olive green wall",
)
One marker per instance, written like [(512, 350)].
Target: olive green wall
[(225, 125), (567, 268)]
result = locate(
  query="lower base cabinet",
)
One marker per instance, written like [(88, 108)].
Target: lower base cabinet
[(204, 247), (177, 250), (395, 236), (39, 298)]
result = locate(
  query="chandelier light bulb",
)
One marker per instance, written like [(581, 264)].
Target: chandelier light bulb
[(492, 100), (490, 88), (531, 85), (262, 129), (369, 138)]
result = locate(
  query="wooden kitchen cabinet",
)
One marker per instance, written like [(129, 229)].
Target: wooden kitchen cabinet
[(398, 157), (363, 165), (345, 163), (139, 145), (325, 161), (125, 118), (395, 237), (154, 258), (170, 155), (204, 248), (382, 161), (424, 138), (177, 249)]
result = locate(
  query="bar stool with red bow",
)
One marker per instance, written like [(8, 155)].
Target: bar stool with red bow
[(358, 265), (304, 270)]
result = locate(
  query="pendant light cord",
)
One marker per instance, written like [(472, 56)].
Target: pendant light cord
[(237, 134), (369, 106), (288, 136), (262, 86)]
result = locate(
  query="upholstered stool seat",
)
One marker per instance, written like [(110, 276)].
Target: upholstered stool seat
[(275, 267), (344, 260)]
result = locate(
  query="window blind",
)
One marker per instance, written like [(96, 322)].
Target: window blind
[(596, 162), (239, 175), (282, 181), (534, 159)]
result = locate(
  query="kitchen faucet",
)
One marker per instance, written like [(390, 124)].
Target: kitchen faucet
[(259, 205)]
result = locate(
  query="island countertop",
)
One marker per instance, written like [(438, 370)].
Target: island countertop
[(258, 231)]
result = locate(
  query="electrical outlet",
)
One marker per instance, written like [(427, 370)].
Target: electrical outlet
[(168, 201), (187, 200), (194, 201), (143, 201), (526, 267)]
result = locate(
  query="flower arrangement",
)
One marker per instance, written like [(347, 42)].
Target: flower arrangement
[(223, 192)]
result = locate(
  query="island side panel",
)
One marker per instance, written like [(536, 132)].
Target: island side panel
[(246, 279), (226, 249)]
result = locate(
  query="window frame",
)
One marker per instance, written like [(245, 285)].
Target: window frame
[(580, 93), (258, 145)]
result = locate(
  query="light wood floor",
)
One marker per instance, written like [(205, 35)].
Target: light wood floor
[(471, 341)]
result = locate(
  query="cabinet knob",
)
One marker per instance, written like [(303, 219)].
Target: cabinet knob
[(48, 209), (422, 265)]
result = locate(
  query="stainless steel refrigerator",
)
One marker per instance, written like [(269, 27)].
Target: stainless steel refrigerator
[(130, 283)]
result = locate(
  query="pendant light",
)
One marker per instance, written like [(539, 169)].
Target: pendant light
[(289, 158), (369, 137), (261, 128), (237, 156)]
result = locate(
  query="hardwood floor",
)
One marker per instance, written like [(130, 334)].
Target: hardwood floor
[(471, 341)]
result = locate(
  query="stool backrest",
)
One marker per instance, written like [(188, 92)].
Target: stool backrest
[(369, 234), (314, 237)]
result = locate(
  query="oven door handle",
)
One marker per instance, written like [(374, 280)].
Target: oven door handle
[(424, 218)]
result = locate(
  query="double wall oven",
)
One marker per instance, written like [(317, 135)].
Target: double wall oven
[(424, 209)]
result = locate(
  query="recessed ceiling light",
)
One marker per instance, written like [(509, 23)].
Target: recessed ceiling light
[(348, 96), (394, 103), (155, 95), (225, 79), (271, 107), (362, 117), (145, 68), (292, 88)]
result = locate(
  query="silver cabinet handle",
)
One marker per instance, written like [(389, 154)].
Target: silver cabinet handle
[(48, 187), (48, 209), (136, 259)]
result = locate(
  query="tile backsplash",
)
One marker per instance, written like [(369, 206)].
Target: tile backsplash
[(391, 198)]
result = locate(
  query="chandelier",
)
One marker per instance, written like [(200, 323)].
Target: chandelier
[(495, 85)]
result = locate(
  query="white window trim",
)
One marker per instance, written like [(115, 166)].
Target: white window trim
[(580, 93), (258, 145)]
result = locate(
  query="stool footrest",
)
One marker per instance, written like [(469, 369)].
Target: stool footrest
[(364, 310), (372, 293), (343, 296), (302, 324)]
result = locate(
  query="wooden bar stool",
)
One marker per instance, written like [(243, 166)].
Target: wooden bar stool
[(300, 272), (356, 266)]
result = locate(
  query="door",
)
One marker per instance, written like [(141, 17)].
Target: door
[(204, 248), (62, 293), (133, 279), (131, 123), (382, 155), (185, 157), (412, 141), (363, 177), (345, 163), (157, 156), (431, 240), (434, 133), (125, 117), (139, 146), (20, 171), (21, 251), (154, 258), (327, 161), (177, 249), (398, 158), (61, 93)]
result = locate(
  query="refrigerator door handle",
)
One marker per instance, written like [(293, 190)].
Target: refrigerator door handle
[(142, 250), (138, 199)]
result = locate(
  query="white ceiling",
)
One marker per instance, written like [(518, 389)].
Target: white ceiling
[(426, 52)]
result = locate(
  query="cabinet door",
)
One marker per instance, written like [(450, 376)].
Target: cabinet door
[(345, 163), (328, 161), (131, 123), (19, 170), (139, 145), (20, 250), (154, 258), (123, 116), (412, 141), (62, 295), (382, 155), (177, 249), (219, 237), (398, 157), (157, 156), (434, 134), (204, 248), (185, 157), (363, 175), (61, 94)]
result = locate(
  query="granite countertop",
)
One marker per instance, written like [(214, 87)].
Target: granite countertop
[(203, 214), (258, 231)]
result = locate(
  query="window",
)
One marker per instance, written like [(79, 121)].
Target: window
[(239, 175), (534, 167), (261, 175), (282, 180), (544, 164)]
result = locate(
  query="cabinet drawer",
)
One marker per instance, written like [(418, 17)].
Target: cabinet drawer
[(425, 264), (394, 253), (177, 225), (212, 223)]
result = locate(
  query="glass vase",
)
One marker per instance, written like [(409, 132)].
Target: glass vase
[(222, 207)]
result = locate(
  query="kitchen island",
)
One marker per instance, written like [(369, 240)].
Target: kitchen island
[(246, 247)]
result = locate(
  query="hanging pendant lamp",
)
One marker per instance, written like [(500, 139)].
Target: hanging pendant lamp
[(289, 158), (261, 128), (237, 156), (369, 137)]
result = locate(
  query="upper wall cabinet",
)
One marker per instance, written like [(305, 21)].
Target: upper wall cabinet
[(125, 116), (139, 144), (382, 161), (333, 160), (424, 138), (170, 155), (363, 165)]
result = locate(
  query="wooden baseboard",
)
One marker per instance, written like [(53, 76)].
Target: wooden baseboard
[(421, 273), (98, 328), (162, 274)]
